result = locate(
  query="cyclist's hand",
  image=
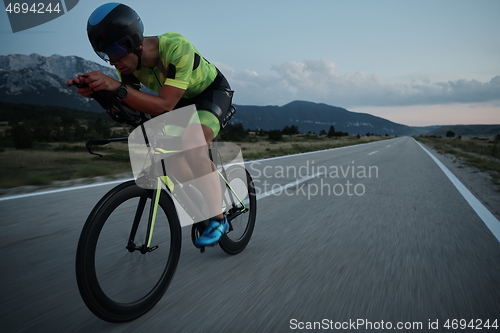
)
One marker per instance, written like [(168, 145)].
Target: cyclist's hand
[(99, 81), (80, 82)]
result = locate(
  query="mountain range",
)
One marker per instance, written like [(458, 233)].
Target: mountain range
[(314, 117), (35, 79), (467, 130)]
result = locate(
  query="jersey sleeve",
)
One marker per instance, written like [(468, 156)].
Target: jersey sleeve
[(180, 64)]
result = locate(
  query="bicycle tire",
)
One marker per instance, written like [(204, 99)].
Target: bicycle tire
[(236, 240), (103, 285)]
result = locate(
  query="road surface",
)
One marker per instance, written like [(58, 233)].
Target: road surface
[(363, 238)]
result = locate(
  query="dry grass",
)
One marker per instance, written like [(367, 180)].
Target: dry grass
[(262, 148), (59, 161), (482, 154)]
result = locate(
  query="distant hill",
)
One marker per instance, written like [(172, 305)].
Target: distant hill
[(315, 117), (34, 79), (425, 129), (467, 130)]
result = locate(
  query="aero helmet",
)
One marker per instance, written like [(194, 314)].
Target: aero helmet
[(114, 30)]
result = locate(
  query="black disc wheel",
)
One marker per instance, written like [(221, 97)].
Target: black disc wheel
[(120, 276)]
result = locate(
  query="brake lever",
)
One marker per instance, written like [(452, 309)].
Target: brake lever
[(80, 85), (89, 143), (101, 142)]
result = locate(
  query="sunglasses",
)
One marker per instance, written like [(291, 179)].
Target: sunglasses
[(114, 53)]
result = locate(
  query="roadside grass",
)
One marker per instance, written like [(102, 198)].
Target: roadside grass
[(55, 162), (49, 162), (482, 154), (260, 148)]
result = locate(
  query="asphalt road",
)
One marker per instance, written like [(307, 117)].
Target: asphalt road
[(393, 243)]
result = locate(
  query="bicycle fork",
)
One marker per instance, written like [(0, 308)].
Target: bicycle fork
[(153, 210)]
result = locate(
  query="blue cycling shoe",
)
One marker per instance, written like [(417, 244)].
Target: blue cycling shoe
[(213, 232)]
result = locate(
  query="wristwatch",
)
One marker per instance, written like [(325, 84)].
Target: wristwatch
[(121, 91)]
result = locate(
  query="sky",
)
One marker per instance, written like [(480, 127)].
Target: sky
[(417, 63)]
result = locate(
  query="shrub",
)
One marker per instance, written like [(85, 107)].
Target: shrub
[(233, 132), (331, 132), (291, 130), (275, 135)]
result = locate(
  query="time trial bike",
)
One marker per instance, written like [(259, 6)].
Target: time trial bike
[(130, 244)]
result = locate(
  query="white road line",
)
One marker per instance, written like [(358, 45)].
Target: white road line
[(484, 214), (260, 196), (20, 196), (388, 146), (115, 182), (373, 152)]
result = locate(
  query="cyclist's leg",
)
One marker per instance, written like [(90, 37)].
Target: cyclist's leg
[(200, 164), (181, 169), (212, 106), (208, 183)]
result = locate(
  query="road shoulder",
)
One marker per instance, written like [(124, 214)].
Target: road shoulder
[(479, 183)]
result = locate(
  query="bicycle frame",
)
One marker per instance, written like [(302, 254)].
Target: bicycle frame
[(171, 183)]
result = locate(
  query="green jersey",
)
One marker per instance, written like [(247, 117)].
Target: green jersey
[(180, 66)]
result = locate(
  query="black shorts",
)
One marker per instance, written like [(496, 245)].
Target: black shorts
[(216, 99)]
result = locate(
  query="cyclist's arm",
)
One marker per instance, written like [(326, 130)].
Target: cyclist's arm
[(167, 99)]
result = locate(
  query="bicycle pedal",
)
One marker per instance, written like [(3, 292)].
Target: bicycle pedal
[(203, 248)]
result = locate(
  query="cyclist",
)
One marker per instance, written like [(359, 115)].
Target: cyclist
[(171, 66)]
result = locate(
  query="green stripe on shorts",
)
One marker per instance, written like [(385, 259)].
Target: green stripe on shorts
[(207, 118)]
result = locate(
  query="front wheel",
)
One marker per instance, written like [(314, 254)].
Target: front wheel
[(119, 277)]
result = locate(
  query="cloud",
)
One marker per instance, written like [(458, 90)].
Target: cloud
[(320, 81)]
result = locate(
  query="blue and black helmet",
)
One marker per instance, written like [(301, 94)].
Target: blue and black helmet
[(114, 30)]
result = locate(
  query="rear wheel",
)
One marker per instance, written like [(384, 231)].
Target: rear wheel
[(119, 277), (241, 217)]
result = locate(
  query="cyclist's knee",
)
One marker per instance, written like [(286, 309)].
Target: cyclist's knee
[(208, 133), (197, 135)]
